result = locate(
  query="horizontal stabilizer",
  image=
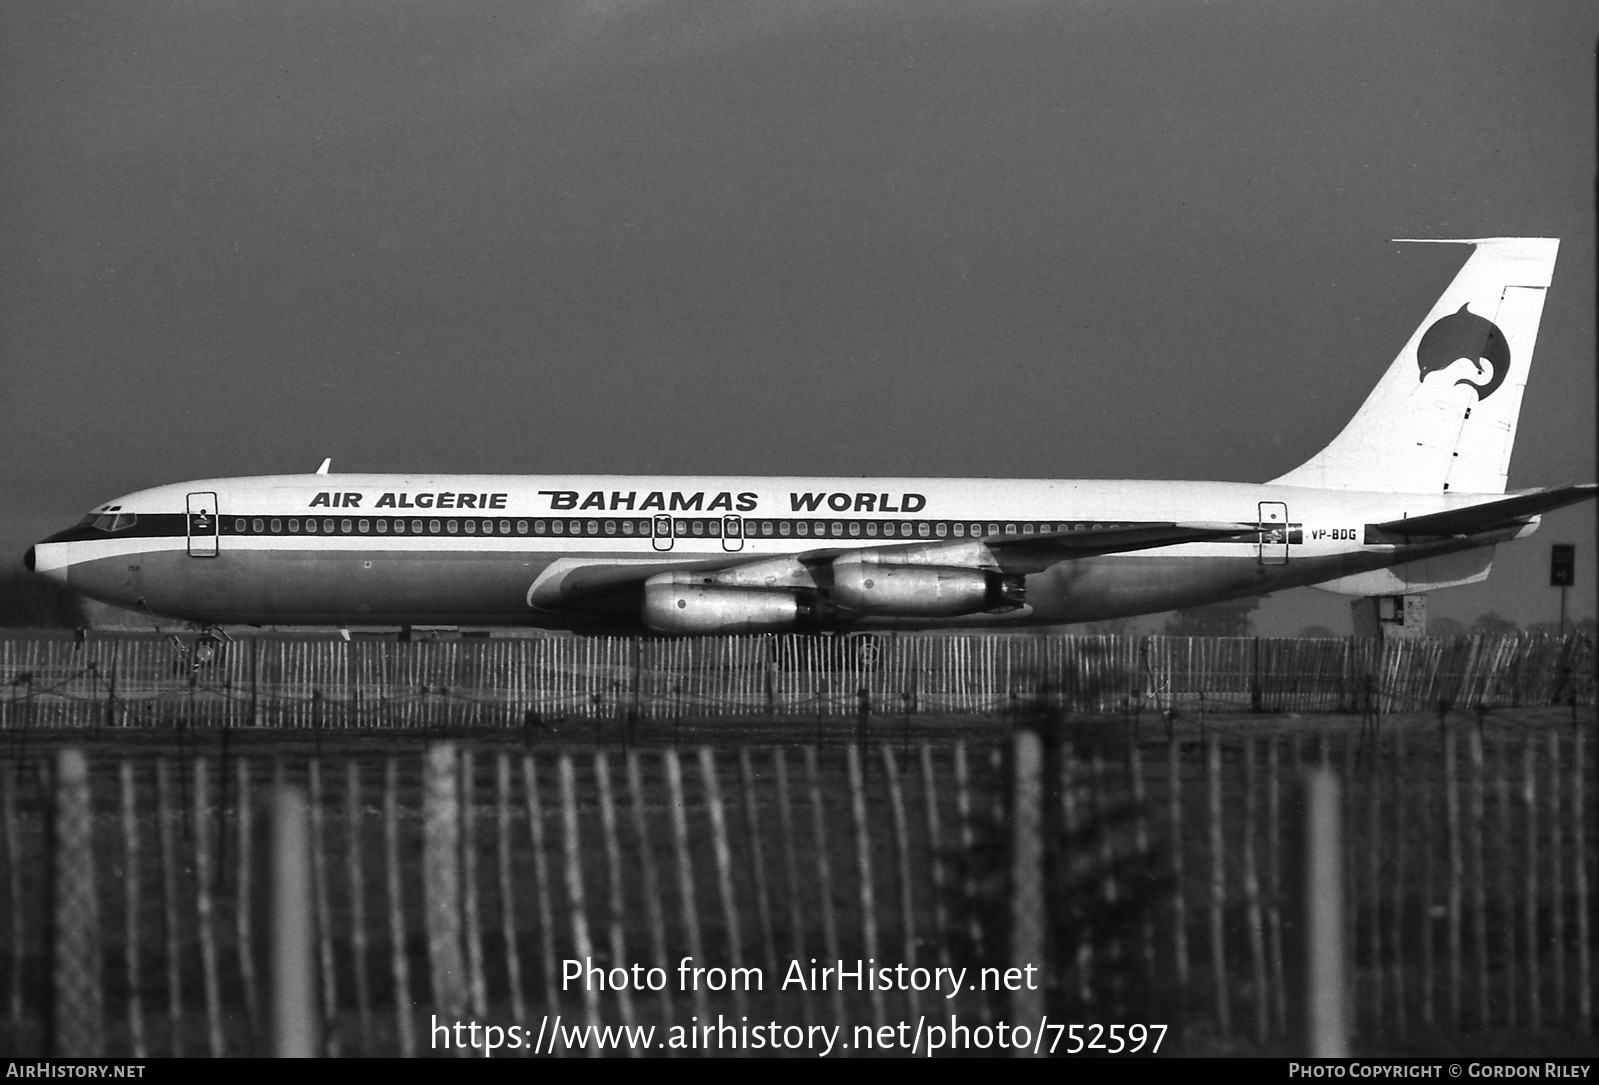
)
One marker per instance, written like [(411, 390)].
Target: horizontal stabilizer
[(1505, 512)]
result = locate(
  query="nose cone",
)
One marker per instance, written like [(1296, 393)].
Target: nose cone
[(46, 558)]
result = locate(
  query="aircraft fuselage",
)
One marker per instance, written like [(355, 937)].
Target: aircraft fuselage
[(470, 550)]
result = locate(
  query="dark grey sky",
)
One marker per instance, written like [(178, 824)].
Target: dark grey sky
[(1050, 240)]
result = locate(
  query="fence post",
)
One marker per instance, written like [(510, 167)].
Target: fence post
[(638, 684), (1579, 875), (771, 673), (1320, 1006), (111, 696), (441, 876), (294, 1001), (1218, 886), (1256, 695), (1027, 875), (77, 1016)]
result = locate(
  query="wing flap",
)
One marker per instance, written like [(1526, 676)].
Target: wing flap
[(1063, 545)]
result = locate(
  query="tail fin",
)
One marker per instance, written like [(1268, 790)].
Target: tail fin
[(1443, 418)]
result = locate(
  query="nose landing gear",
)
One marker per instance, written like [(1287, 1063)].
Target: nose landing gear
[(205, 649)]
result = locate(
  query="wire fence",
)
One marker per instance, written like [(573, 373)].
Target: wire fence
[(461, 885), (266, 681)]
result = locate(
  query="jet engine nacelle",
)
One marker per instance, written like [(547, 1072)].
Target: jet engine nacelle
[(698, 609), (923, 591)]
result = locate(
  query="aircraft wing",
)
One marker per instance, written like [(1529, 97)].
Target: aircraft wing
[(571, 585), (1025, 552), (1505, 512)]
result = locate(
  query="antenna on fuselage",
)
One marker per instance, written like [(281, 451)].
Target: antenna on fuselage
[(325, 465)]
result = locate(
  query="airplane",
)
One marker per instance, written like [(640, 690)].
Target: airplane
[(1409, 497)]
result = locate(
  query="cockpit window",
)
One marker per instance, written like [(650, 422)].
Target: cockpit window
[(115, 521)]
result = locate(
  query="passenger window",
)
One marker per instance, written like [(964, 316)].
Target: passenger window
[(699, 527), (294, 525), (258, 525), (521, 527), (365, 527), (277, 527), (327, 527), (802, 528), (1010, 529), (594, 527), (238, 526), (921, 529), (505, 527), (993, 529), (433, 527), (782, 527), (1027, 529), (383, 527), (344, 526), (941, 529), (627, 527), (838, 530), (854, 527), (960, 531)]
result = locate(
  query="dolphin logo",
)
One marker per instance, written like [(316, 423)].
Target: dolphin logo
[(1469, 336)]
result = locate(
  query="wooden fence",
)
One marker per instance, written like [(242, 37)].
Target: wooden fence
[(287, 682), (456, 886)]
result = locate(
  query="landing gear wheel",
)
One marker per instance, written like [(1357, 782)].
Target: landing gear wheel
[(206, 649), (867, 649)]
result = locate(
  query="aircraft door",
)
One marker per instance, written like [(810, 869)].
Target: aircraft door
[(1273, 533), (661, 532), (203, 525), (732, 533)]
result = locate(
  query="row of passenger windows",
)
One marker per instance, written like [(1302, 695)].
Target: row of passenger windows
[(679, 526)]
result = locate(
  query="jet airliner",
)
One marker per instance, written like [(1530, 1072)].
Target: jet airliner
[(1409, 497)]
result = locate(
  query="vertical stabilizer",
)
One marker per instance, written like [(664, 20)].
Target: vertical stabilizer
[(1443, 418)]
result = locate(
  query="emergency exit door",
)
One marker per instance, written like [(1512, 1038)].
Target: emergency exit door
[(661, 532), (203, 525), (1273, 533)]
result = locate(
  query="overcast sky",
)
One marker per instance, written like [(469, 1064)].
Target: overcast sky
[(1068, 240)]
